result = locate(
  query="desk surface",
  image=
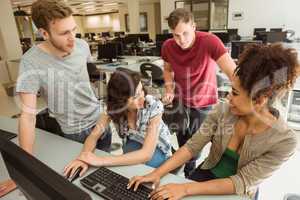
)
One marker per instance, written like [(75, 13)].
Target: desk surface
[(130, 62), (66, 150)]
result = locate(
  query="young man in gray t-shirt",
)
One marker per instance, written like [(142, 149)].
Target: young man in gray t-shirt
[(58, 68)]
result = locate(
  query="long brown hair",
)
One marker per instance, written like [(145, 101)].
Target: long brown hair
[(121, 86)]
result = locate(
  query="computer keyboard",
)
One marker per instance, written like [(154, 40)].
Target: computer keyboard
[(113, 186)]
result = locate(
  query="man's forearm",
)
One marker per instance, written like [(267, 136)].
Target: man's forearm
[(169, 81), (27, 132)]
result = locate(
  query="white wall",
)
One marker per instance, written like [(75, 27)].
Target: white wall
[(257, 14), (264, 14)]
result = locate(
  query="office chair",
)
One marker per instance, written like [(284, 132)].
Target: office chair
[(153, 73)]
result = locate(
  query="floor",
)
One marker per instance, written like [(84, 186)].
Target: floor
[(285, 180)]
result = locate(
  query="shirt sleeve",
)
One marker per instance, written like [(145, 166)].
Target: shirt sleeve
[(215, 47), (155, 106), (89, 58), (264, 166), (28, 80), (164, 51), (206, 131)]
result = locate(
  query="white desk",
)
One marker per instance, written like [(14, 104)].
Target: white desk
[(56, 152)]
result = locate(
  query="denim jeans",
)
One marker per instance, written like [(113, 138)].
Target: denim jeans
[(103, 143), (157, 159), (197, 116)]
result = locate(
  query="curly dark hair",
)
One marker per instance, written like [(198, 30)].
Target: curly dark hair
[(267, 70), (121, 86)]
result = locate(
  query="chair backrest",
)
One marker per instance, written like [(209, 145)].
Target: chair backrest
[(176, 117), (155, 71)]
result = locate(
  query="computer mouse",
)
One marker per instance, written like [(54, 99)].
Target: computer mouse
[(75, 175)]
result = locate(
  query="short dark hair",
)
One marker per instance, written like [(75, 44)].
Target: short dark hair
[(267, 70), (44, 11), (179, 15)]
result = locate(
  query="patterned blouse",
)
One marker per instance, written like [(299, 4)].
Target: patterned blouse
[(153, 107)]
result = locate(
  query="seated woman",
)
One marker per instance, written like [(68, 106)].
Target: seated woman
[(138, 120), (249, 138)]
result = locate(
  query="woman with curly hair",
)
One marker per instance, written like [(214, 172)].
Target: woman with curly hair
[(138, 120), (250, 139)]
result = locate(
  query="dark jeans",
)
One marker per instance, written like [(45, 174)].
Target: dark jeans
[(196, 116), (201, 175), (103, 143)]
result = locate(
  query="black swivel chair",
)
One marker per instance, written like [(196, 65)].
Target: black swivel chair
[(155, 71)]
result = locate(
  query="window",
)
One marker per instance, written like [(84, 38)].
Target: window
[(143, 22)]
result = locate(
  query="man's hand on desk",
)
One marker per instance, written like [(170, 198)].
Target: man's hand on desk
[(6, 187)]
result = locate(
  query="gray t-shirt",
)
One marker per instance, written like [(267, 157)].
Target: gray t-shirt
[(64, 82)]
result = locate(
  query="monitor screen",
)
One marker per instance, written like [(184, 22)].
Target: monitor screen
[(131, 39), (108, 51), (163, 37), (223, 36), (35, 179), (237, 47), (120, 33), (105, 34), (257, 30), (144, 37)]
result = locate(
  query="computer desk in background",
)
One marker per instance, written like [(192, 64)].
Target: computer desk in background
[(56, 152)]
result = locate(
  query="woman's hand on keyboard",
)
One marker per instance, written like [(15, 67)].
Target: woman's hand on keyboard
[(149, 178), (170, 191), (70, 169)]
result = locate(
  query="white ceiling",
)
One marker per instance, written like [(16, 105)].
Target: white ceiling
[(84, 7)]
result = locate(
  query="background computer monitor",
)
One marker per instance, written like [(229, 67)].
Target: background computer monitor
[(131, 39), (78, 35), (276, 29), (237, 47), (105, 34), (223, 36), (256, 30), (120, 33), (144, 37), (108, 51), (35, 179)]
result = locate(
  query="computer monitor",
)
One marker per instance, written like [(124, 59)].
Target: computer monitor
[(120, 33), (223, 36), (131, 39), (276, 29), (87, 35), (78, 35), (105, 34), (108, 51), (271, 37), (163, 37), (237, 47), (144, 37), (35, 179), (256, 30)]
